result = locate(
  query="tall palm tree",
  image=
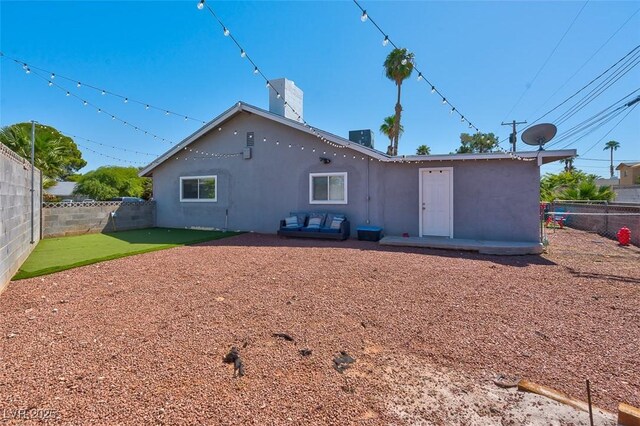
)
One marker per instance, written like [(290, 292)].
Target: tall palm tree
[(398, 67), (423, 150), (568, 164), (613, 146), (387, 128)]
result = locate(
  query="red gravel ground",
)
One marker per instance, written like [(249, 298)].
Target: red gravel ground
[(140, 340)]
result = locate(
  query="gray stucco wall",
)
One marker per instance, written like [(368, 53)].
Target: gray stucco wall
[(75, 219), (495, 199), (15, 213)]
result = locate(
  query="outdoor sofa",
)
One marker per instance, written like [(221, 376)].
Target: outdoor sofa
[(324, 225)]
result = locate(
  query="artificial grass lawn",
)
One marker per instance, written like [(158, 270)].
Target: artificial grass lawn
[(57, 254)]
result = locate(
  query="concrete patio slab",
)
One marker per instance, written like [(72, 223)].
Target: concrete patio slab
[(504, 248)]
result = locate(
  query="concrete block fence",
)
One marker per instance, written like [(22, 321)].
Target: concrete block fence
[(15, 213), (61, 219)]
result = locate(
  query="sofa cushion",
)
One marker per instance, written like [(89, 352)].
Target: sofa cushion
[(302, 217)]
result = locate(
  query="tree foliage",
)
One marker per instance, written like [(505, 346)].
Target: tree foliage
[(56, 155), (423, 150), (388, 129), (477, 143), (111, 181), (398, 67), (573, 185)]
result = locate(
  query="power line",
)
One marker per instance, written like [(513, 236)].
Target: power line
[(611, 130), (585, 86), (587, 61), (544, 64)]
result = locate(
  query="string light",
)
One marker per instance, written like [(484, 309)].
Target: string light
[(385, 42), (85, 103), (50, 84), (102, 91), (201, 5), (68, 94), (255, 70), (242, 53), (226, 32), (126, 100), (404, 61), (444, 100)]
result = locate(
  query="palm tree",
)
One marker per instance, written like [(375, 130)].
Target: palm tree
[(423, 150), (611, 145), (568, 164), (387, 128), (398, 67)]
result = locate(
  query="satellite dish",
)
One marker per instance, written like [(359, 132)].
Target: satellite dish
[(539, 134)]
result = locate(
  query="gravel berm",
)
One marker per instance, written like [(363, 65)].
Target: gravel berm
[(141, 340)]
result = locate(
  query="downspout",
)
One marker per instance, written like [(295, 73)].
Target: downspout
[(368, 195)]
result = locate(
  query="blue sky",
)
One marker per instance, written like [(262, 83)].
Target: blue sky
[(481, 55)]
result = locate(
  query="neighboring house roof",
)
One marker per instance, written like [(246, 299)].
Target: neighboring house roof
[(635, 164), (542, 156), (62, 189)]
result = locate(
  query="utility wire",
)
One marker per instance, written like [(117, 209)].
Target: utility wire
[(544, 64), (587, 61), (611, 130)]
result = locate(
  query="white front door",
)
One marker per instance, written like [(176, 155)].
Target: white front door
[(436, 202)]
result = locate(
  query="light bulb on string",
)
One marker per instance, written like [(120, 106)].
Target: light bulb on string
[(53, 76), (433, 89), (126, 100), (386, 40), (364, 16), (255, 70), (85, 103), (278, 96), (50, 83), (68, 94), (268, 85), (25, 66), (113, 117), (462, 119), (452, 111), (146, 107), (79, 84), (444, 100), (104, 92), (404, 61), (28, 70), (201, 5), (225, 31), (242, 53), (419, 76), (166, 113), (186, 118), (99, 110)]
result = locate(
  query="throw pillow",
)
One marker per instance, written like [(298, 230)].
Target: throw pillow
[(314, 223), (336, 222), (291, 222)]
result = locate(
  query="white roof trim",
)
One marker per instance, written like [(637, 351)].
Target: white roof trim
[(240, 106)]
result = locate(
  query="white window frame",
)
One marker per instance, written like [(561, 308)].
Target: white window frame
[(199, 200), (327, 175)]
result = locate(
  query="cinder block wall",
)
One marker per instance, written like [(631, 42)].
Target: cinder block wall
[(77, 218), (605, 225), (15, 213)]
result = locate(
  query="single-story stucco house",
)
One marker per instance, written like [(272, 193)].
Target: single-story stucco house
[(249, 168)]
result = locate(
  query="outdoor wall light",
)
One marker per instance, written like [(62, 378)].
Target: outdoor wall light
[(325, 160)]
